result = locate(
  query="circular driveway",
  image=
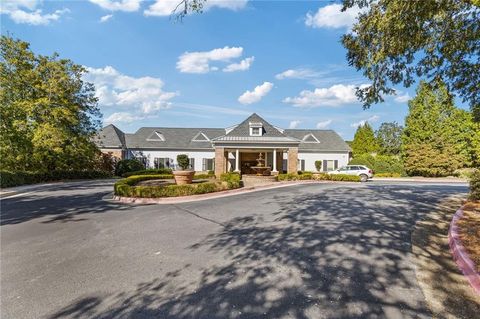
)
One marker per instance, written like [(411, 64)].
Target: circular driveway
[(310, 251)]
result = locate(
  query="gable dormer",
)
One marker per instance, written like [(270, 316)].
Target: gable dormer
[(200, 137), (156, 136), (310, 138), (256, 128)]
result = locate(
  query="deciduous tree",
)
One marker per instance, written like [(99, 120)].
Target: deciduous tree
[(389, 138), (48, 114), (395, 41)]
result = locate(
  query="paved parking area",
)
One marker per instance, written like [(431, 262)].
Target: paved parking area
[(310, 251)]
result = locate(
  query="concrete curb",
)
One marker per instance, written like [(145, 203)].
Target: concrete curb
[(460, 255), (195, 198), (420, 180)]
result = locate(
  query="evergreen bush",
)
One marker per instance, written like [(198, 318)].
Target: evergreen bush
[(128, 165)]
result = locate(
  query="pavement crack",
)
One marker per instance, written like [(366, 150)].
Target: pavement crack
[(198, 216)]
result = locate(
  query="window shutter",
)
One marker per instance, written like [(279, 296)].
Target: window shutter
[(204, 166), (303, 165), (192, 163), (335, 164), (324, 166)]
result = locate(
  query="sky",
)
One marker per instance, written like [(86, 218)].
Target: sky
[(281, 59)]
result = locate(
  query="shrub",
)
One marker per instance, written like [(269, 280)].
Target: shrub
[(183, 161), (464, 172), (388, 175), (232, 179), (150, 171), (126, 187), (475, 185), (380, 163), (318, 165), (128, 165), (203, 176), (318, 176), (10, 179)]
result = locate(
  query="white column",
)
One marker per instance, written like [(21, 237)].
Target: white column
[(237, 161), (274, 161)]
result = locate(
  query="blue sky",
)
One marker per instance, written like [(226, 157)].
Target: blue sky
[(282, 60)]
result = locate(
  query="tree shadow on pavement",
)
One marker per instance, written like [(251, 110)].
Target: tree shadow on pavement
[(61, 207), (332, 254)]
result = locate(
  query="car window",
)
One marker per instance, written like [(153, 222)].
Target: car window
[(353, 168), (344, 168)]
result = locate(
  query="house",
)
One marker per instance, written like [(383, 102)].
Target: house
[(235, 148)]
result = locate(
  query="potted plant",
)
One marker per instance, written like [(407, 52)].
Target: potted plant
[(184, 175)]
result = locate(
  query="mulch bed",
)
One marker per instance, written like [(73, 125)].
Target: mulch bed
[(469, 226)]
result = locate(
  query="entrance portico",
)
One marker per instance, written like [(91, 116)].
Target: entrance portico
[(241, 159)]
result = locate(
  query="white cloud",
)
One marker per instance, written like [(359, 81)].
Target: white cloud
[(118, 5), (115, 89), (122, 117), (331, 16), (241, 66), (166, 7), (402, 98), (335, 95), (105, 18), (256, 95), (199, 62), (294, 124), (371, 119), (324, 124), (296, 74), (26, 12)]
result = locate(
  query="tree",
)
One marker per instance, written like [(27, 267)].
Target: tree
[(364, 141), (395, 40), (48, 114), (389, 138), (437, 138)]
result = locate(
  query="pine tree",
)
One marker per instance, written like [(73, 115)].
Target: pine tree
[(436, 140), (364, 141)]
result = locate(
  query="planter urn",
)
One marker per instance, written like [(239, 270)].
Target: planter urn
[(183, 177)]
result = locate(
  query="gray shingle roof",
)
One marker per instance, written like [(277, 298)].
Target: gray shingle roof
[(329, 140), (175, 138), (243, 129), (110, 137), (182, 138)]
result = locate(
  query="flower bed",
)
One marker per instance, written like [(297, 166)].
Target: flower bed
[(318, 177), (127, 187)]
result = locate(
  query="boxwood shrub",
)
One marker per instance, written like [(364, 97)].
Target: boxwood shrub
[(475, 185), (318, 176), (150, 171), (126, 187), (10, 179)]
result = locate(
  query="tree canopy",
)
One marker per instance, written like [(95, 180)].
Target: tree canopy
[(364, 141), (395, 41), (48, 114), (389, 138), (438, 137)]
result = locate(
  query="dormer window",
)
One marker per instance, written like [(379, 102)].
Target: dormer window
[(256, 129), (156, 136)]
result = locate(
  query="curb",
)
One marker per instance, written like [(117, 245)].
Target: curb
[(195, 198), (460, 255)]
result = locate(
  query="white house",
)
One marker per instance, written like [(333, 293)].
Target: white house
[(235, 148)]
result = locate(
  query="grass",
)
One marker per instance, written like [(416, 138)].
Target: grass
[(469, 226)]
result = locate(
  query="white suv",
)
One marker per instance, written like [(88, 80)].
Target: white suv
[(360, 170)]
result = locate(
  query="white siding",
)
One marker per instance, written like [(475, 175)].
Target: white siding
[(197, 155), (310, 159)]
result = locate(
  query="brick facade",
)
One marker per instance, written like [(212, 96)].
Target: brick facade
[(292, 160)]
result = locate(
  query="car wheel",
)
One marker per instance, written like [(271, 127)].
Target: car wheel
[(363, 178)]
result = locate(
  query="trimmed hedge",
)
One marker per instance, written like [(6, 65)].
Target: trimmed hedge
[(318, 176), (380, 163), (232, 179), (10, 179), (388, 175), (126, 187), (150, 171), (475, 185)]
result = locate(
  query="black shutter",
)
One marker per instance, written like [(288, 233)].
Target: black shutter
[(335, 164), (303, 165), (324, 166)]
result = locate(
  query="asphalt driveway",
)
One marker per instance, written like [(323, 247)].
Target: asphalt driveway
[(311, 251)]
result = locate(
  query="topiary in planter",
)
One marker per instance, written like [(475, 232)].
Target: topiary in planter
[(183, 161), (183, 176)]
